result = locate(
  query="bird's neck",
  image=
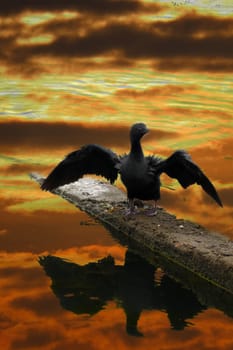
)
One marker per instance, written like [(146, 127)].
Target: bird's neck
[(136, 151)]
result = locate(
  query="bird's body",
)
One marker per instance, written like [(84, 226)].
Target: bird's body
[(140, 184), (139, 174)]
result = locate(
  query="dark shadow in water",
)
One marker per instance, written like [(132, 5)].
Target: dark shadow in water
[(86, 289)]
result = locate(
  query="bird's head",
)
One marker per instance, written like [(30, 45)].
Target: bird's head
[(137, 131)]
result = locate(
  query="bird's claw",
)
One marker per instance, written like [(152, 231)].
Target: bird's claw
[(151, 212), (130, 212)]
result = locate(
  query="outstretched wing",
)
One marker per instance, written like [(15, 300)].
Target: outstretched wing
[(90, 159), (181, 167)]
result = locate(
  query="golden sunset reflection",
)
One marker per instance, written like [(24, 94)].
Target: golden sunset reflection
[(81, 72), (27, 321)]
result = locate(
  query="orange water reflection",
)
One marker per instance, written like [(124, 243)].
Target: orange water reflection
[(35, 223), (32, 317), (74, 73)]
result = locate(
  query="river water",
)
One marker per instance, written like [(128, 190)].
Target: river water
[(65, 281)]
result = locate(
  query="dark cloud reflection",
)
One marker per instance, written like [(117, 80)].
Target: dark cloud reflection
[(59, 135), (115, 31)]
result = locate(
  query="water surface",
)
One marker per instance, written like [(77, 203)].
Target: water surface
[(76, 73)]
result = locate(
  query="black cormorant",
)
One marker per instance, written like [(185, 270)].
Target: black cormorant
[(139, 174)]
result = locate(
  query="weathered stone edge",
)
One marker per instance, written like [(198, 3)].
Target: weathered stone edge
[(214, 265)]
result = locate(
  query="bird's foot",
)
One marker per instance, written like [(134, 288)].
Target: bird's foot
[(130, 212), (151, 212)]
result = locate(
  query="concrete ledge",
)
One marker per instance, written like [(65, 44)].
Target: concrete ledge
[(206, 254)]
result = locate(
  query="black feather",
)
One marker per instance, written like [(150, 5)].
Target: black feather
[(90, 159), (140, 175), (181, 167)]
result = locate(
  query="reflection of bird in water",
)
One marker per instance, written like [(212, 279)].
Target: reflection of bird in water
[(88, 288), (139, 174)]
